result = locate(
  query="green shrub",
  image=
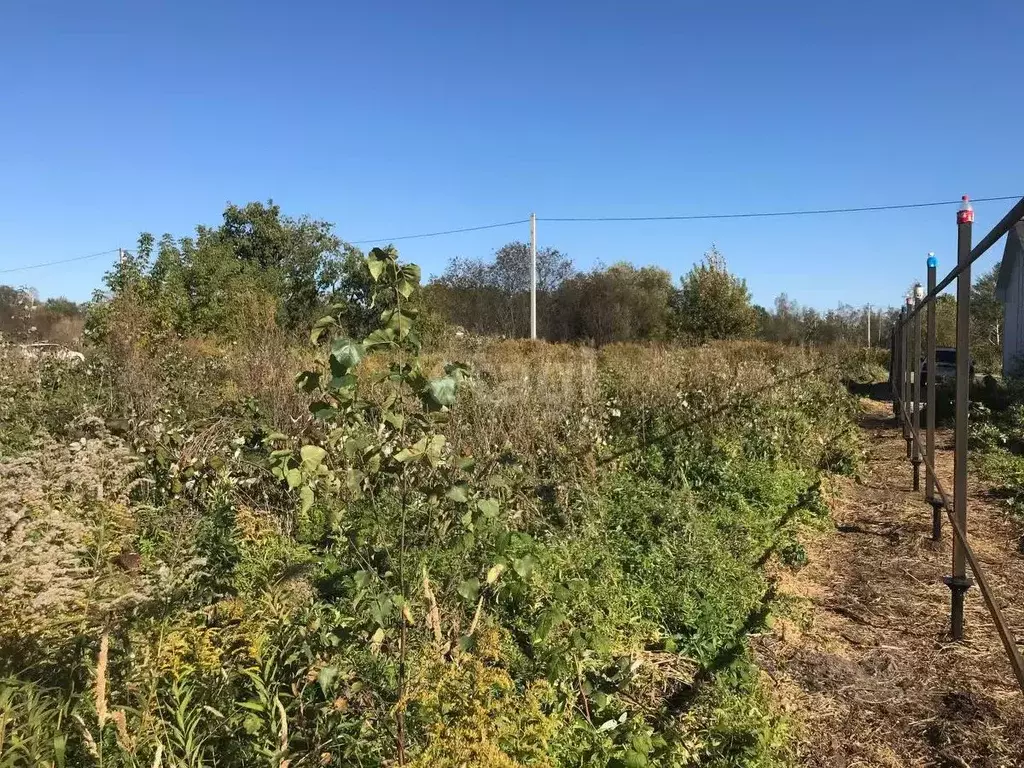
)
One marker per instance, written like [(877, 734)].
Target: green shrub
[(543, 555)]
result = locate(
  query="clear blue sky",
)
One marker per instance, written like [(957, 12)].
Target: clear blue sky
[(396, 118)]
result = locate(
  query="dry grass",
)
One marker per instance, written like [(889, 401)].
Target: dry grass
[(868, 670), (64, 515)]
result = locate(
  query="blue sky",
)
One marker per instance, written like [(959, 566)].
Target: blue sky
[(406, 117)]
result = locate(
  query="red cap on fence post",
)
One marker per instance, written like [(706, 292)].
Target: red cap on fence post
[(966, 213)]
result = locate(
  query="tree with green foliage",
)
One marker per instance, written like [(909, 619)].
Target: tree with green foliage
[(987, 321), (618, 303), (194, 283), (494, 296), (713, 303)]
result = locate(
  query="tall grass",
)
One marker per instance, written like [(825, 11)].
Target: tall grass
[(176, 605)]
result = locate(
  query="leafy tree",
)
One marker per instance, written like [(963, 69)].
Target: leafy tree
[(620, 303), (712, 303), (494, 296), (297, 252), (193, 283), (987, 321)]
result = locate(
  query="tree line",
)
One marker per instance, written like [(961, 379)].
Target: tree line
[(295, 269)]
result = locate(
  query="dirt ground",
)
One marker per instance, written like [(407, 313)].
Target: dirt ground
[(863, 662)]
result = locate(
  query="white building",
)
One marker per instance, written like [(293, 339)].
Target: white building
[(1010, 291)]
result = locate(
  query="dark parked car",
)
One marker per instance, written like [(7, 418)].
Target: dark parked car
[(945, 367)]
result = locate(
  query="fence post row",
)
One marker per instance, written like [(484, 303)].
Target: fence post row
[(915, 374), (906, 384)]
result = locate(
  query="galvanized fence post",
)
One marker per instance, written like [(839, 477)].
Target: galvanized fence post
[(930, 406), (897, 366), (915, 373), (958, 582), (907, 389)]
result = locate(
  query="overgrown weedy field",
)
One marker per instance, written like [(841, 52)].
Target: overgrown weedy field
[(239, 550)]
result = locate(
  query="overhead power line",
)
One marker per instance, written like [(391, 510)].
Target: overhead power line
[(694, 217), (767, 214), (438, 234), (59, 261), (682, 217)]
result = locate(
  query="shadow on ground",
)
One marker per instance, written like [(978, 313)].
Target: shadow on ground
[(874, 390)]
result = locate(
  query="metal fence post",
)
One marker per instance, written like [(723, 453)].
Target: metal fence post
[(907, 389), (915, 373), (958, 582), (930, 406), (895, 366)]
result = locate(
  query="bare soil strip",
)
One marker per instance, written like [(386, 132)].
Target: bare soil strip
[(864, 662)]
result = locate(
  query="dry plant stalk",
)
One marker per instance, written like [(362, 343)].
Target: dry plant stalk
[(124, 740), (433, 615), (284, 731), (476, 616), (100, 689)]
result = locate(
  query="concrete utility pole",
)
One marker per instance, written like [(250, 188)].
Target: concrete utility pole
[(869, 326), (120, 255), (533, 275)]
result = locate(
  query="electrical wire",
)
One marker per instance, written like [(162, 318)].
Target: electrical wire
[(767, 214), (60, 261), (685, 217), (438, 234)]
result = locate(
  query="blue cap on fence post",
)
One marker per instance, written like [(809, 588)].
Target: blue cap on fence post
[(932, 261)]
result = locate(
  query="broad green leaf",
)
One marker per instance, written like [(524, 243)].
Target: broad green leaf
[(380, 337), (459, 493), (440, 393), (396, 420), (469, 589), (641, 743), (488, 507), (550, 619), (378, 638), (405, 287), (495, 572), (347, 353), (375, 265), (634, 759), (345, 382), (433, 450), (309, 381), (322, 411), (416, 450), (354, 480), (306, 499), (524, 566), (312, 455), (294, 478), (400, 322), (320, 326), (410, 272), (326, 678)]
